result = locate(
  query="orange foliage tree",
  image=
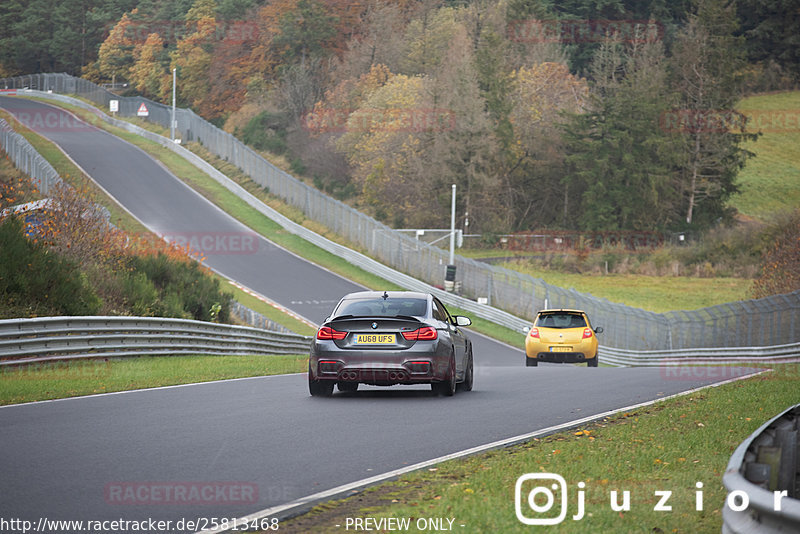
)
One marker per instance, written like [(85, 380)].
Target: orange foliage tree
[(117, 54), (148, 74)]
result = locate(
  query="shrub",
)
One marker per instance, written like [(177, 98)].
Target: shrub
[(37, 281), (266, 131), (184, 289), (780, 271)]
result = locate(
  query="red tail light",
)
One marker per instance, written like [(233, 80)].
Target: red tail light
[(426, 333), (535, 332), (587, 333), (326, 332)]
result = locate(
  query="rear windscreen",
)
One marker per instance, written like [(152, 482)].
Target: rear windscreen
[(561, 320), (383, 307)]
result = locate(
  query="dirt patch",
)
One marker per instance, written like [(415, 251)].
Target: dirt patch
[(331, 517)]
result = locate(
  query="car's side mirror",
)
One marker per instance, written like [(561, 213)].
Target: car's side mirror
[(598, 330), (460, 320)]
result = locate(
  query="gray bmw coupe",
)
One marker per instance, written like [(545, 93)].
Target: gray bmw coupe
[(389, 338)]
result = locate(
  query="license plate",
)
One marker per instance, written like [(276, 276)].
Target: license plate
[(560, 349), (374, 339)]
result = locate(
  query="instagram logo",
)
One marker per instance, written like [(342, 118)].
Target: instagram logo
[(540, 498)]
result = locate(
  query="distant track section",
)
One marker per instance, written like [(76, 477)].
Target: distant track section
[(171, 209)]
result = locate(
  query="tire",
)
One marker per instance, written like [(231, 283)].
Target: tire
[(447, 387), (593, 362), (347, 387), (531, 362), (469, 374), (319, 388)]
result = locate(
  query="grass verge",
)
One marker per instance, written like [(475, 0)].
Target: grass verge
[(768, 181), (669, 446), (56, 380), (654, 293)]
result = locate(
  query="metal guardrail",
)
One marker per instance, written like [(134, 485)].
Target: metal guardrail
[(63, 338), (762, 480), (728, 355)]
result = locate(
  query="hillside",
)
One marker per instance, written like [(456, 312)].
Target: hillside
[(770, 182)]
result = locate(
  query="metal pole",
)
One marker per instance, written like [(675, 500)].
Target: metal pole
[(453, 227), (172, 120)]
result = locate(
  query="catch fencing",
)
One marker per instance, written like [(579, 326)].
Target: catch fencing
[(770, 321), (255, 319), (27, 159)]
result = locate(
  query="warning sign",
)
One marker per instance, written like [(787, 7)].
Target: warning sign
[(142, 112)]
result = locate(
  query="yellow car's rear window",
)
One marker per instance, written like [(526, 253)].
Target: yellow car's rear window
[(561, 320)]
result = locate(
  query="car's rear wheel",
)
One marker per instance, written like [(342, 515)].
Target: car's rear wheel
[(319, 388), (469, 374), (592, 362), (347, 387), (531, 362), (447, 387)]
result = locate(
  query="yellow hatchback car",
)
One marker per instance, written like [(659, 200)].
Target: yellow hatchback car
[(562, 336)]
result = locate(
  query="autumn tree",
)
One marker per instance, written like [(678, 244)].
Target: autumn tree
[(380, 42), (463, 149), (706, 71), (427, 39), (193, 54), (541, 95), (148, 72), (619, 160), (117, 53), (381, 143), (304, 32)]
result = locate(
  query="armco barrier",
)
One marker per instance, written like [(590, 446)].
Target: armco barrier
[(62, 338), (762, 480), (719, 356)]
